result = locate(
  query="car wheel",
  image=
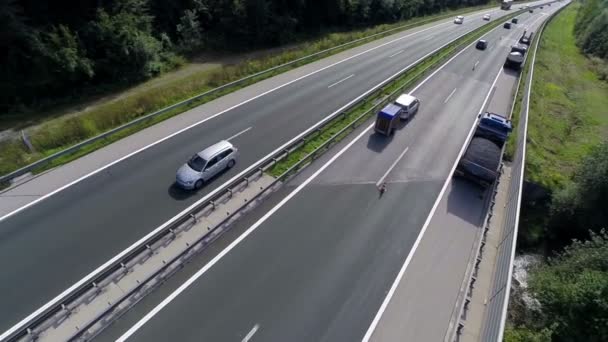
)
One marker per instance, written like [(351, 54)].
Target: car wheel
[(199, 184), (231, 163)]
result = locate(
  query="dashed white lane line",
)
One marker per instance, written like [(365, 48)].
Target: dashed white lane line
[(392, 167), (251, 333), (396, 53), (239, 133), (340, 81), (450, 96)]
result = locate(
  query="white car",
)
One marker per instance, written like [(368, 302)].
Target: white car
[(487, 17), (206, 164), (459, 20)]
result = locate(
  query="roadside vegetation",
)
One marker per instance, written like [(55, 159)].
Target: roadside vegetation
[(564, 214), (55, 59)]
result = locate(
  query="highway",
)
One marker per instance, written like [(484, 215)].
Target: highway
[(317, 266), (56, 242)]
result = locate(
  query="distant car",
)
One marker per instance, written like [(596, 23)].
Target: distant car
[(507, 25), (541, 7), (514, 20), (206, 164), (482, 44), (459, 20), (531, 11), (487, 17)]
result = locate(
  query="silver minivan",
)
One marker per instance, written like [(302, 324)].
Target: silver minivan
[(409, 106), (206, 164)]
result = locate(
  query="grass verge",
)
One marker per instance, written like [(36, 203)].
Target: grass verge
[(364, 110), (568, 113), (62, 133)]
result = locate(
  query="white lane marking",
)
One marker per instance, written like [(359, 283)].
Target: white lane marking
[(395, 284), (450, 96), (475, 66), (429, 38), (251, 333), (396, 53), (238, 240), (392, 166), (239, 133), (340, 81), (207, 119), (91, 275)]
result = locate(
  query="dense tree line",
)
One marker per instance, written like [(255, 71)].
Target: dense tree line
[(591, 27), (572, 293), (55, 48)]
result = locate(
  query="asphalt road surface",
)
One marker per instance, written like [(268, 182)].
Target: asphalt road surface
[(319, 267), (53, 244)]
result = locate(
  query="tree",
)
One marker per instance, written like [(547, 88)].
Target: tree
[(572, 289), (122, 44), (581, 206), (189, 31)]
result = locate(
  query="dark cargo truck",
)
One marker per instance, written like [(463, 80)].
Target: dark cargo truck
[(516, 57), (481, 160)]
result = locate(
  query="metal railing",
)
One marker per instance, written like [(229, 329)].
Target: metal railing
[(242, 81), (497, 302), (117, 266)]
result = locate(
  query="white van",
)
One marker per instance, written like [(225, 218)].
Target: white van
[(409, 105)]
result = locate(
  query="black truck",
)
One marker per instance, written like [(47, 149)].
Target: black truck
[(516, 57), (481, 160)]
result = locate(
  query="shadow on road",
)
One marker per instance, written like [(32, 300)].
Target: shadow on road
[(378, 142), (467, 201), (180, 194)]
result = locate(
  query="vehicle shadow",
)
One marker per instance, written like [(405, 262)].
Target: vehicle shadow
[(378, 142), (467, 200), (180, 194)]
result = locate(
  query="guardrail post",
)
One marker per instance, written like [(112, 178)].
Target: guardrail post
[(194, 218)]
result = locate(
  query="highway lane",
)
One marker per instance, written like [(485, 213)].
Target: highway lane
[(427, 300), (319, 267), (66, 236)]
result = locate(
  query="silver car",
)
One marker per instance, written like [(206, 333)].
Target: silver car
[(206, 164)]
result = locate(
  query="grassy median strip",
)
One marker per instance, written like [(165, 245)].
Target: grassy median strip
[(363, 110), (62, 133)]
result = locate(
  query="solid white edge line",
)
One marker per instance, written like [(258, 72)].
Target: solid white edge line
[(207, 119), (392, 166), (409, 257), (226, 250), (340, 81), (91, 275), (239, 133), (450, 96)]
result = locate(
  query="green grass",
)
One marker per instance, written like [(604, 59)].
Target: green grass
[(568, 109), (364, 110)]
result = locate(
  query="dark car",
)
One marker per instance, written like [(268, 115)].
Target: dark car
[(514, 20), (531, 11), (507, 25), (482, 44), (541, 7)]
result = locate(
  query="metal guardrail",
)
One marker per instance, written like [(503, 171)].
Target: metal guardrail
[(28, 326), (185, 103), (497, 303)]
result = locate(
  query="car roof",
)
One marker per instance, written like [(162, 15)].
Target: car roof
[(405, 100), (212, 150)]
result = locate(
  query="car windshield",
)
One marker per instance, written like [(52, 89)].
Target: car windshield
[(197, 163)]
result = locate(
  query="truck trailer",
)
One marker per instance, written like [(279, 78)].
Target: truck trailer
[(481, 160), (516, 57)]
